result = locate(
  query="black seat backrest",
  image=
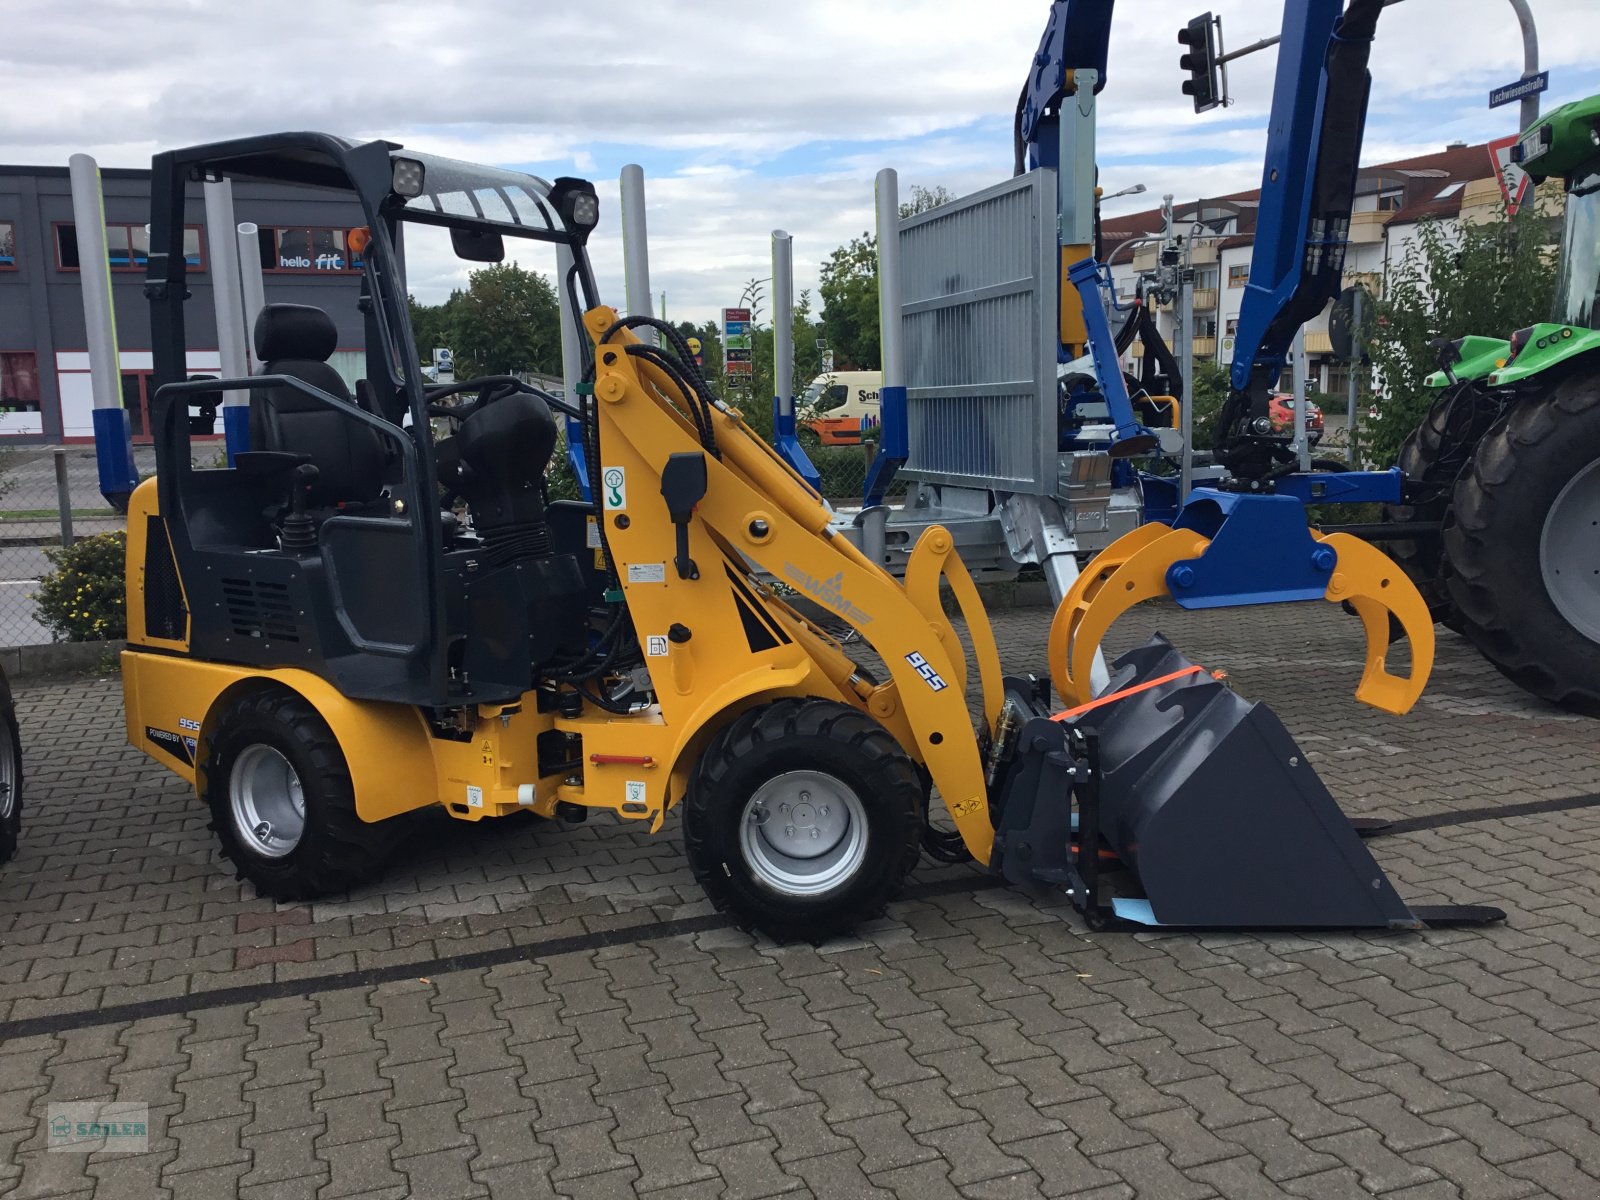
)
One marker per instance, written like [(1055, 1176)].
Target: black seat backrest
[(297, 340)]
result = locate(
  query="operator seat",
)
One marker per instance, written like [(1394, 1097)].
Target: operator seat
[(297, 340)]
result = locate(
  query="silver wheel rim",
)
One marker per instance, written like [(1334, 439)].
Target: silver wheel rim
[(1569, 552), (8, 773), (269, 807), (804, 833)]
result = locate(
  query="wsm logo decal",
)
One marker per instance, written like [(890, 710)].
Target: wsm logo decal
[(829, 592)]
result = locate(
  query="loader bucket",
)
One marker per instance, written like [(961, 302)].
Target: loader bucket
[(1209, 805)]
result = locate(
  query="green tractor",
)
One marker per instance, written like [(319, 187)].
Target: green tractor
[(1507, 462)]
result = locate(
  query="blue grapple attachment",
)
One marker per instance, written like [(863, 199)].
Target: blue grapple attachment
[(1188, 806)]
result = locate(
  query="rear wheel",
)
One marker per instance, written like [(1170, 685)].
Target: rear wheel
[(1523, 544), (10, 775), (803, 819), (1433, 457), (282, 802)]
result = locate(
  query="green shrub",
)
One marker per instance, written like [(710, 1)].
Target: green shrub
[(83, 598)]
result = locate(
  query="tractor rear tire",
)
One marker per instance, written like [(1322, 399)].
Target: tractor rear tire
[(283, 804), (1434, 456), (1494, 542), (10, 775), (803, 819)]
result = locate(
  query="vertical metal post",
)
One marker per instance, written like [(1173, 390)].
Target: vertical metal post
[(252, 287), (1351, 412), (63, 495), (222, 243), (1530, 59), (1183, 334), (893, 426), (113, 435), (571, 364), (635, 247), (1302, 449), (785, 436)]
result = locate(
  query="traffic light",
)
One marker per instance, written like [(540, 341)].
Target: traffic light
[(1205, 74)]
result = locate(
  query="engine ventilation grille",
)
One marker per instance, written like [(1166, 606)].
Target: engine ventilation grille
[(259, 609)]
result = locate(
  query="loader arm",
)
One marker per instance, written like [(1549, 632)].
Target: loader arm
[(733, 641)]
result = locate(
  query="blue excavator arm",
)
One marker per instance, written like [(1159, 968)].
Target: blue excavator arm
[(1319, 110)]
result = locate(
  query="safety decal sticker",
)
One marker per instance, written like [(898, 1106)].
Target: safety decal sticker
[(633, 794), (655, 646), (591, 534), (181, 748), (925, 669), (614, 483), (474, 797)]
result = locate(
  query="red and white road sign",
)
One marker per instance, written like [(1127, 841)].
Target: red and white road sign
[(1514, 181)]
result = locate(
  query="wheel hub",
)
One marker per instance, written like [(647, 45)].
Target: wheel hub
[(268, 803), (1569, 552), (804, 832)]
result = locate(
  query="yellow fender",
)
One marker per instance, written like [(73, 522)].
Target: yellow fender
[(1133, 569)]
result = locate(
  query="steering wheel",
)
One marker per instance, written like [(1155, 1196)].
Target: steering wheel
[(488, 387)]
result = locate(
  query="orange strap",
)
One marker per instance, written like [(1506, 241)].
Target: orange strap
[(1124, 693)]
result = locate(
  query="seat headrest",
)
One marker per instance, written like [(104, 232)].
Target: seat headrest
[(294, 331)]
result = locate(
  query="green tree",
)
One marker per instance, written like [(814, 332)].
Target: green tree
[(849, 288), (1488, 279), (506, 322), (432, 324)]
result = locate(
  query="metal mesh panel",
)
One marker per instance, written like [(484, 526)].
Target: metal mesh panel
[(979, 318)]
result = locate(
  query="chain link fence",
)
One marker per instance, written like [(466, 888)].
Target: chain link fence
[(49, 496)]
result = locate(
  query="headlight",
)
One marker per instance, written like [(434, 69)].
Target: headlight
[(576, 201), (407, 178)]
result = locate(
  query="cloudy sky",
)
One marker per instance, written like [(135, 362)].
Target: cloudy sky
[(746, 117)]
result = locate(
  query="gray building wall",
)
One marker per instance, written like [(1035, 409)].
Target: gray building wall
[(41, 305)]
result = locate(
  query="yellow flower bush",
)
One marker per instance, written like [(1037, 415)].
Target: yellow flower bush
[(82, 598)]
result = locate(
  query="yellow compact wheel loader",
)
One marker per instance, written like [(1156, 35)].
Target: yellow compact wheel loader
[(374, 608)]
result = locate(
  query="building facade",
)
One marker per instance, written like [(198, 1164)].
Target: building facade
[(45, 395), (1391, 200)]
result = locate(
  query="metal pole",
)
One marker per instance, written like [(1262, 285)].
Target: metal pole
[(113, 435), (251, 285), (783, 323), (222, 240), (889, 333), (635, 247), (1184, 334), (63, 496), (893, 423), (1302, 452), (571, 365), (1351, 415), (1530, 59)]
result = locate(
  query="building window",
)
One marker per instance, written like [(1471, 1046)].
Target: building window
[(314, 250), (1206, 327), (1232, 327), (1238, 276), (127, 246), (19, 394), (8, 246), (1391, 202)]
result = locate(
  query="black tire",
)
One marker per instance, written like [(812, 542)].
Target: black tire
[(820, 737), (1492, 543), (10, 788), (336, 850), (1434, 456)]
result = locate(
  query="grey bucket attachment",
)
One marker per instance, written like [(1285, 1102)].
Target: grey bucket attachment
[(1201, 797)]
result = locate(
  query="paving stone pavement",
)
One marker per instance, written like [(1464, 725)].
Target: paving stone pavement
[(527, 1009)]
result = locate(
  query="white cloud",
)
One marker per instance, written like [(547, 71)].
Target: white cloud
[(714, 98)]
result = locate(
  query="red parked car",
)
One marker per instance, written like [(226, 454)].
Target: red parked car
[(1281, 410)]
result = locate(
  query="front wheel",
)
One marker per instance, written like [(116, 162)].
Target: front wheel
[(282, 802), (803, 819)]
